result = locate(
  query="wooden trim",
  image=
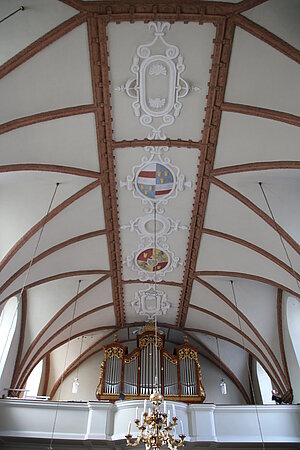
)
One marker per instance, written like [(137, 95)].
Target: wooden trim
[(245, 319), (56, 316), (173, 10), (250, 378), (280, 377), (48, 252), (280, 336), (248, 276), (179, 143), (256, 166), (211, 356), (269, 38), (219, 71), (41, 43), (265, 113), (47, 374), (162, 283), (254, 248), (58, 276), (27, 370), (237, 195), (287, 396), (45, 116), (25, 238), (100, 82), (50, 168)]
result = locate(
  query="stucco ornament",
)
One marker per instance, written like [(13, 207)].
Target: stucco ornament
[(152, 263), (150, 302), (144, 226), (155, 180), (157, 85)]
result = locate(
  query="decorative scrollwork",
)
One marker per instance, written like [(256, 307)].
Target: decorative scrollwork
[(170, 359), (201, 388), (187, 353), (150, 339), (131, 357), (150, 303), (101, 379), (146, 64), (112, 352)]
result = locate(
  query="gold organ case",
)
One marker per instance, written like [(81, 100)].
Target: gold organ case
[(133, 374)]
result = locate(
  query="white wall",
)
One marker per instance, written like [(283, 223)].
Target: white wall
[(88, 375), (211, 377)]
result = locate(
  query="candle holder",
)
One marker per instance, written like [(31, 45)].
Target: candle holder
[(155, 428)]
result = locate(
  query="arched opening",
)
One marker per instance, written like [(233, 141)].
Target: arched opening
[(34, 380), (293, 320), (8, 322), (265, 384)]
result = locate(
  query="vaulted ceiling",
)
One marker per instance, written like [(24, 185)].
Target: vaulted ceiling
[(116, 116)]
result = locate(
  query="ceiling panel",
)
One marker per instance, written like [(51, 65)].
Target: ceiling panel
[(257, 70), (39, 17), (279, 17), (50, 298), (227, 214), (69, 141), (282, 189), (25, 198), (43, 82), (246, 139), (137, 293), (195, 44), (176, 175), (217, 254), (251, 297)]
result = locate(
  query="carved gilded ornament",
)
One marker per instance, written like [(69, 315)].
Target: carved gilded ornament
[(101, 379), (112, 352), (150, 339), (130, 358), (157, 85), (187, 353), (201, 388), (170, 359)]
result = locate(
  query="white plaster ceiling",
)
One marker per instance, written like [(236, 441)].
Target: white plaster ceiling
[(69, 143)]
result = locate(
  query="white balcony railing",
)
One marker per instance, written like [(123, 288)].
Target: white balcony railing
[(108, 422)]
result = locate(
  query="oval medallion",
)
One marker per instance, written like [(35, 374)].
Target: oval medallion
[(155, 181), (152, 260)]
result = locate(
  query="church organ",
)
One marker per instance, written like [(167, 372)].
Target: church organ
[(133, 374)]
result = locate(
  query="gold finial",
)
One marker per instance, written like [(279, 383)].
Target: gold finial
[(149, 326), (185, 339)]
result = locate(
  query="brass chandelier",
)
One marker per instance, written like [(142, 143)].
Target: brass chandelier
[(156, 427)]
